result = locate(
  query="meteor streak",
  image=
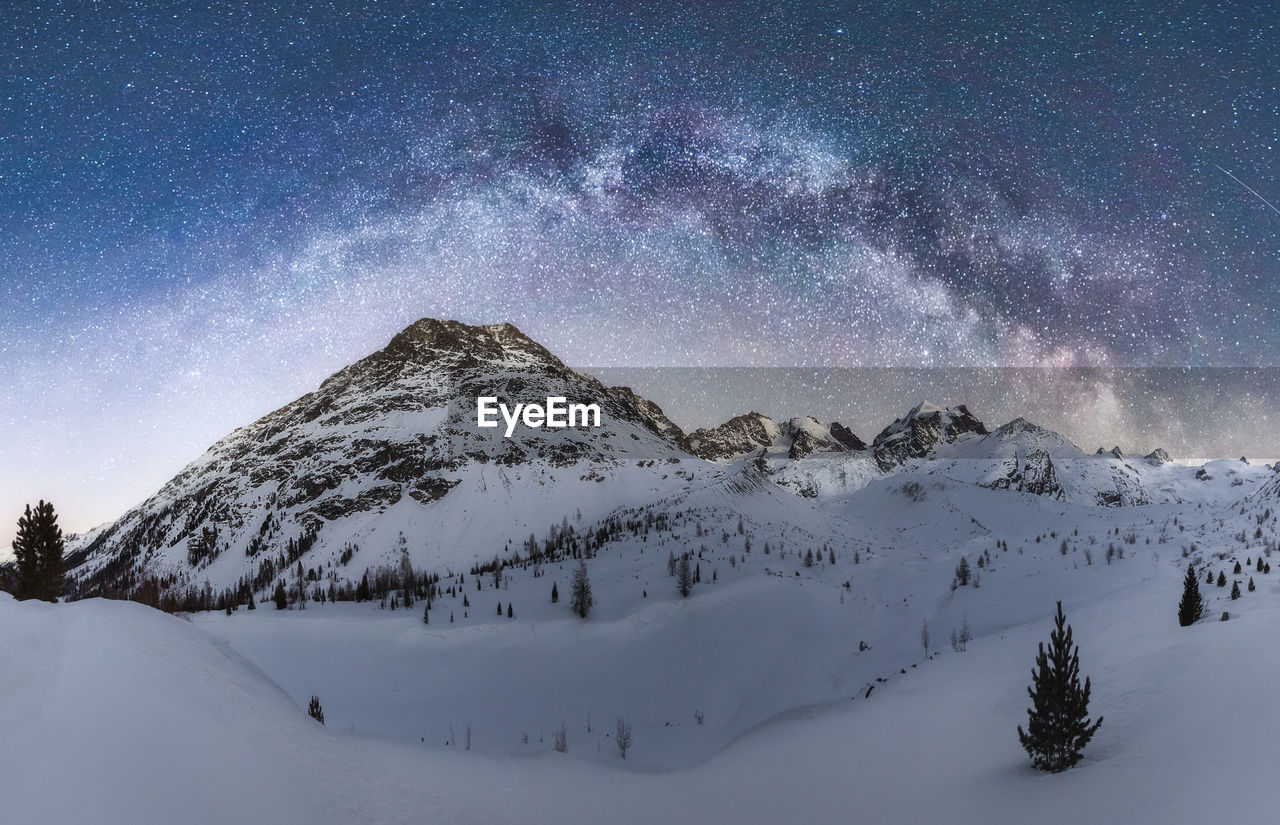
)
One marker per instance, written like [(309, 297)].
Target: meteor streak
[(1250, 188)]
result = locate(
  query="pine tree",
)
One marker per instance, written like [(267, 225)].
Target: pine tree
[(281, 598), (1235, 590), (37, 549), (1058, 726), (1222, 579), (580, 601), (407, 576), (684, 576), (555, 593), (315, 711), (1251, 584), (1191, 608)]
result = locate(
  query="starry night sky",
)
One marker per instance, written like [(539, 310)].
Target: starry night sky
[(207, 208)]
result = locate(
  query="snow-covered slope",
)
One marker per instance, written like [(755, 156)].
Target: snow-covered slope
[(114, 712), (390, 446), (1024, 457), (1268, 494)]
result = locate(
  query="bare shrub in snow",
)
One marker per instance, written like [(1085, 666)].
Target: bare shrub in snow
[(622, 736)]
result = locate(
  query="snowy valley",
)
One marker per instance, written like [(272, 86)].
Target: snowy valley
[(761, 594)]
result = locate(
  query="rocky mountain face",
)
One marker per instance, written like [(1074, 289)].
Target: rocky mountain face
[(1029, 467), (752, 433), (651, 413), (1032, 473), (917, 433), (740, 436), (811, 436), (395, 428)]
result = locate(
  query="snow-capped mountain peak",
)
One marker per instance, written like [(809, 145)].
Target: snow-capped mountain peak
[(915, 434), (753, 432), (741, 435), (1031, 436), (395, 432)]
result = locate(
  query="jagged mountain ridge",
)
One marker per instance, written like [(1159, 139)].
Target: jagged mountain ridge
[(752, 433)]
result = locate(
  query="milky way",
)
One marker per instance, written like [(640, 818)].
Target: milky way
[(208, 208)]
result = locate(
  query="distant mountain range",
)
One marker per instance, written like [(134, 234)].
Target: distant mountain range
[(385, 457)]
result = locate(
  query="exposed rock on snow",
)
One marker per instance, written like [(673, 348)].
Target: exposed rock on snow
[(739, 436), (920, 430), (752, 432)]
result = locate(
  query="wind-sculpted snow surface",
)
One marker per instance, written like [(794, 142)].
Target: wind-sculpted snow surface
[(114, 712)]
